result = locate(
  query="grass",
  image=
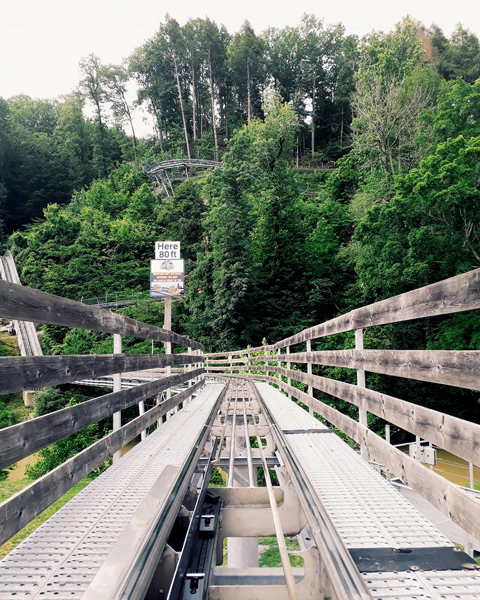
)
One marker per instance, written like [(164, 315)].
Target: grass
[(270, 554), (9, 488)]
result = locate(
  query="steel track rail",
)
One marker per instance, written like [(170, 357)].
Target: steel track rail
[(136, 584)]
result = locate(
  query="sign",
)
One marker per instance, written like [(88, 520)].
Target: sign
[(167, 250), (167, 277)]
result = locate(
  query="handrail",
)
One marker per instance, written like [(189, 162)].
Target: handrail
[(20, 509), (19, 373), (454, 368), (457, 294), (22, 440), (450, 367), (28, 304)]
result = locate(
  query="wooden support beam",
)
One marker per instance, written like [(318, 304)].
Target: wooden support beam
[(22, 440), (33, 372), (23, 507), (27, 304)]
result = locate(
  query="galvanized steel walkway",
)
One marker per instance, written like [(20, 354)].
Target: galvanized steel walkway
[(61, 558), (374, 520)]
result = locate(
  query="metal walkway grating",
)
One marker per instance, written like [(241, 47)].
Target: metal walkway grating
[(281, 408), (366, 510), (59, 560)]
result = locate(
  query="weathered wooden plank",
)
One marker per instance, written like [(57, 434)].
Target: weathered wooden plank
[(459, 437), (227, 361), (450, 499), (27, 304), (22, 440), (457, 294), (20, 509), (31, 372), (449, 367)]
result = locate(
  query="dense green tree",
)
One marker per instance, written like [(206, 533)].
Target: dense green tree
[(458, 56), (392, 89), (92, 86), (101, 242), (114, 79), (430, 230), (246, 54)]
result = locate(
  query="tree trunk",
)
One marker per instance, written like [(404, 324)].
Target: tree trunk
[(212, 96), (249, 108), (134, 138), (341, 130), (226, 116), (194, 104), (187, 143), (314, 92), (102, 135)]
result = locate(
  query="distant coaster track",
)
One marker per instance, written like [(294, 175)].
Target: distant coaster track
[(175, 170)]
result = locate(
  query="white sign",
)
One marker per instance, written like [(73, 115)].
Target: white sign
[(167, 278), (167, 250)]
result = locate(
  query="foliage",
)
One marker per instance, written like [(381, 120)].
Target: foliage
[(7, 415)]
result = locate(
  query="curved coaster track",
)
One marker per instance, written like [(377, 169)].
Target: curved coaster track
[(175, 170)]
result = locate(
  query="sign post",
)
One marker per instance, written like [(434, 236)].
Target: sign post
[(167, 280)]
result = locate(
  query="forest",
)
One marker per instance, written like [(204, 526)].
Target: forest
[(351, 174)]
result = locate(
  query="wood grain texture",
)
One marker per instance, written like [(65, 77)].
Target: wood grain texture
[(459, 437), (19, 373), (449, 367), (27, 304), (23, 507), (22, 440), (450, 499)]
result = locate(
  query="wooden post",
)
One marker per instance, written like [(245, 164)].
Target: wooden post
[(472, 482), (141, 411), (199, 364), (309, 371), (189, 367), (418, 447), (387, 439), (362, 414), (117, 386), (289, 380), (167, 324)]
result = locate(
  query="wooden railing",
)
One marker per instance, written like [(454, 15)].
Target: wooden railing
[(454, 368), (27, 373)]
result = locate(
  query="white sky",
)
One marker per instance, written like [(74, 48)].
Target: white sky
[(42, 41)]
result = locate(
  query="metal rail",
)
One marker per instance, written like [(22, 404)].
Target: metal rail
[(174, 170), (342, 571), (28, 341)]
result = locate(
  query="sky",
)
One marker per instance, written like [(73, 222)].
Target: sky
[(42, 41)]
